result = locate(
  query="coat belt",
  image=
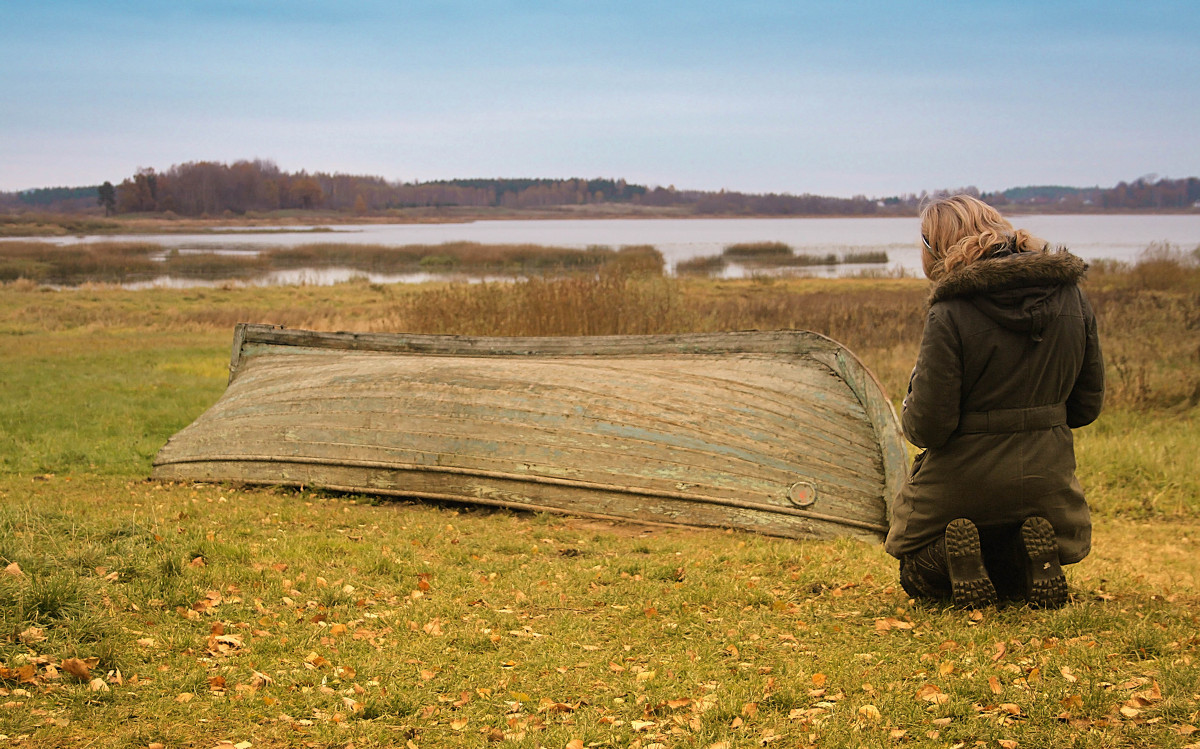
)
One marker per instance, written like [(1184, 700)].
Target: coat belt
[(1013, 419)]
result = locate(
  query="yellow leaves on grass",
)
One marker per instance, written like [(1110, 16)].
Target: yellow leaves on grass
[(1139, 701), (932, 693), (891, 623), (32, 635), (315, 661), (80, 669), (869, 714)]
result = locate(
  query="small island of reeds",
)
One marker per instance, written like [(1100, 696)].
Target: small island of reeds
[(773, 255)]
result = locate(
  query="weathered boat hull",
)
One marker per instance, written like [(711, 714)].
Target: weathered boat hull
[(783, 433)]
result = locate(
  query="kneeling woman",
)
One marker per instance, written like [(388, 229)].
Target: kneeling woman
[(1009, 364)]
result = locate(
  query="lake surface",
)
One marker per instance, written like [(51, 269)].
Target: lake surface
[(1115, 237)]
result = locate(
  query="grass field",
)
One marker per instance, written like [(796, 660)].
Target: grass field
[(134, 613)]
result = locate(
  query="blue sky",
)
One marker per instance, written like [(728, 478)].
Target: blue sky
[(835, 98)]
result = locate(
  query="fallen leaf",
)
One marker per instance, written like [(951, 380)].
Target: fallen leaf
[(1072, 702), (32, 635), (890, 623), (185, 697), (994, 685), (646, 675), (932, 693), (1001, 649), (77, 668), (97, 685), (869, 714), (316, 661), (1007, 743), (1066, 674), (146, 642), (1151, 695), (14, 569), (575, 744)]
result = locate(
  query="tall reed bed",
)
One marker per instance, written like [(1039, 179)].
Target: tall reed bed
[(771, 255), (126, 262), (1149, 313), (52, 225)]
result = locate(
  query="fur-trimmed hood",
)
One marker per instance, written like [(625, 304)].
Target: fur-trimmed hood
[(1009, 270), (1019, 291)]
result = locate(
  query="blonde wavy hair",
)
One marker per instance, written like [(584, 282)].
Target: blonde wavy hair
[(960, 229)]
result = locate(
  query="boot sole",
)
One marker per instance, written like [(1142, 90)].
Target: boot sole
[(969, 581), (1045, 583)]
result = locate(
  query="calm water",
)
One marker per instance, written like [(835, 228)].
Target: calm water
[(1091, 237)]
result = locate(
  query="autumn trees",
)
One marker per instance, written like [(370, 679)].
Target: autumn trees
[(209, 188)]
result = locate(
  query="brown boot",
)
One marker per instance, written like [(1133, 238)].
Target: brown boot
[(969, 581)]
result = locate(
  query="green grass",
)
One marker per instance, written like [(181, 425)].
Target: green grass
[(289, 618), (347, 620)]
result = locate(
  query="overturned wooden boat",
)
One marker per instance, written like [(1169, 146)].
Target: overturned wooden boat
[(784, 433)]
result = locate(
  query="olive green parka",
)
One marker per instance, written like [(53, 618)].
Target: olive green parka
[(1009, 364)]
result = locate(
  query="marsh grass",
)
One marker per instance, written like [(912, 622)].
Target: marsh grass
[(771, 255), (758, 252), (53, 225), (128, 262), (865, 257), (294, 618)]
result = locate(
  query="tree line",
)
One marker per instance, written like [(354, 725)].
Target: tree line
[(209, 188)]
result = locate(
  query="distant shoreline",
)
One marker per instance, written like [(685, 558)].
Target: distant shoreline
[(41, 225)]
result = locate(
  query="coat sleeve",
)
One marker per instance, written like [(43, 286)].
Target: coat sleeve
[(931, 409), (1087, 396)]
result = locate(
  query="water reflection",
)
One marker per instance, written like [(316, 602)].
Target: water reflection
[(1115, 237)]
